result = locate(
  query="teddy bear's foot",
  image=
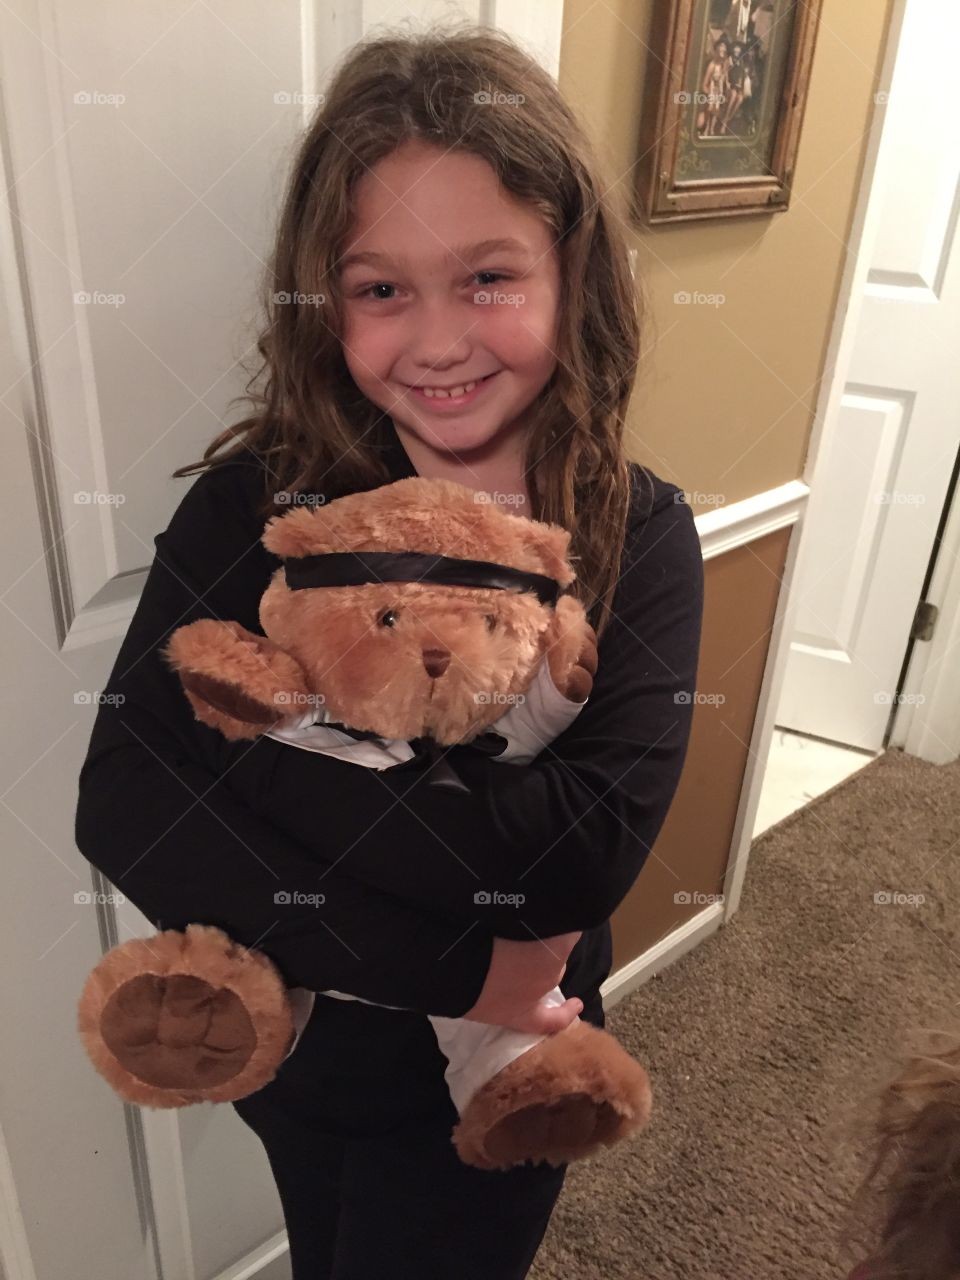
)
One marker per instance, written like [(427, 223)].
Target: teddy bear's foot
[(570, 1095), (180, 1018)]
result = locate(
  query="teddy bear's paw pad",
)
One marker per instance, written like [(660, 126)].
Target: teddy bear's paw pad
[(231, 700), (176, 1031), (564, 1099), (552, 1132)]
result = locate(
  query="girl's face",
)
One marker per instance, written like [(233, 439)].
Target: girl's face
[(428, 307)]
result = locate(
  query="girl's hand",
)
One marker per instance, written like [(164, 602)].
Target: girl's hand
[(520, 974)]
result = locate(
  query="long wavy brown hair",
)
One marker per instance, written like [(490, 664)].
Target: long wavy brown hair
[(909, 1199), (311, 426)]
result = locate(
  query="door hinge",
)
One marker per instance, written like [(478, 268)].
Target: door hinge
[(924, 621)]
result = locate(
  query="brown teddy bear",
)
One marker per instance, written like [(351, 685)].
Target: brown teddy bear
[(401, 622)]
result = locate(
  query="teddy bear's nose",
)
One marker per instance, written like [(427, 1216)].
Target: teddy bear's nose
[(436, 661)]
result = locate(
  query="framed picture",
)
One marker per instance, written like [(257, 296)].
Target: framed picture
[(726, 88)]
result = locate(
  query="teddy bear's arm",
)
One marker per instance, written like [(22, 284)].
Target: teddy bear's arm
[(532, 725), (236, 681), (571, 649)]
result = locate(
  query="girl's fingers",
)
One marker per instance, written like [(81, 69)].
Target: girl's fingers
[(546, 1021)]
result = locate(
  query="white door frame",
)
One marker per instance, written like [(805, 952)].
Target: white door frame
[(925, 716)]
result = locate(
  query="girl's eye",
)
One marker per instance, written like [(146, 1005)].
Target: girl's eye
[(368, 290), (365, 293), (388, 619)]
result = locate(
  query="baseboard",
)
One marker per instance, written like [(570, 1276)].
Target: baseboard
[(690, 934)]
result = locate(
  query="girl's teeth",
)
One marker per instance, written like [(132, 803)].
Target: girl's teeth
[(453, 392)]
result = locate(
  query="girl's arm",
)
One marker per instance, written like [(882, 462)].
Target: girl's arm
[(156, 818), (569, 832)]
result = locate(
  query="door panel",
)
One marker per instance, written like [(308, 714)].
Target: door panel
[(145, 149)]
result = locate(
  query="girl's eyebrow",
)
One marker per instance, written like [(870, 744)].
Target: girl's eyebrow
[(462, 253)]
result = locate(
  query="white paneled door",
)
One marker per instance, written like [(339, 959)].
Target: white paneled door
[(891, 421), (144, 148)]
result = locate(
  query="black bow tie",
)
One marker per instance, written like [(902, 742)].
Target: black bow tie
[(488, 743), (361, 735)]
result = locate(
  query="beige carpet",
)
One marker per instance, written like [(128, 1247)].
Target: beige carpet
[(763, 1043)]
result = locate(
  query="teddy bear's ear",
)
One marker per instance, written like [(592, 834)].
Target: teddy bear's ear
[(295, 533), (551, 544)]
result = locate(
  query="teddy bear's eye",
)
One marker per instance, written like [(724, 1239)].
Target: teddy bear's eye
[(388, 619), (491, 621)]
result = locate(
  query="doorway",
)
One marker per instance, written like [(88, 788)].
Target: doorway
[(869, 589)]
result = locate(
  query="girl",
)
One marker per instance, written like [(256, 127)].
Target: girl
[(449, 296), (915, 1171), (714, 88), (736, 85)]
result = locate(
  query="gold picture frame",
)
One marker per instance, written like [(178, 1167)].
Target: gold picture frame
[(723, 106)]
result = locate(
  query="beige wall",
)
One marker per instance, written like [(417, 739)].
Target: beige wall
[(725, 400), (726, 397)]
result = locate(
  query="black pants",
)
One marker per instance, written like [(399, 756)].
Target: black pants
[(356, 1126)]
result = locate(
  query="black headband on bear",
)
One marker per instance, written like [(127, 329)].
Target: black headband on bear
[(353, 568)]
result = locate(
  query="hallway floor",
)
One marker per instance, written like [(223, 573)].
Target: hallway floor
[(767, 1045), (798, 770)]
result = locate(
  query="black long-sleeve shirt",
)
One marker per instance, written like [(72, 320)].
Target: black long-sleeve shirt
[(193, 828)]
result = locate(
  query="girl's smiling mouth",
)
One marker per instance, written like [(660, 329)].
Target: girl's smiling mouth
[(454, 396)]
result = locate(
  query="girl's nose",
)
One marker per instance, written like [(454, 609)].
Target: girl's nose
[(440, 337)]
